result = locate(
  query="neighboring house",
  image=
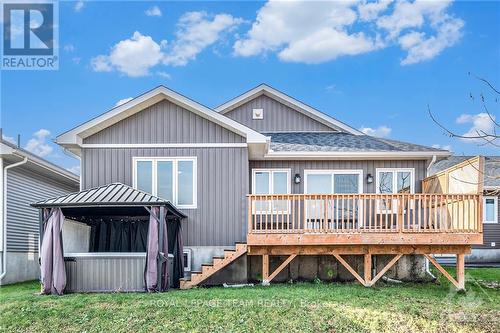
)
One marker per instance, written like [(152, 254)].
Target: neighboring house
[(25, 178), (489, 251), (265, 169)]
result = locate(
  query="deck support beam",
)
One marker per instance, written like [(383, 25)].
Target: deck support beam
[(265, 269), (368, 269), (385, 269), (266, 278), (459, 283), (350, 269)]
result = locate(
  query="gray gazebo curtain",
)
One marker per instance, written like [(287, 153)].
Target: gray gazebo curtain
[(177, 249), (53, 272), (156, 270)]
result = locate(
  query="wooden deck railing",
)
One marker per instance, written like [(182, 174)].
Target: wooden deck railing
[(364, 213)]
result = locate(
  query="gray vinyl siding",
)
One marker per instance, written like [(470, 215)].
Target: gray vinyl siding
[(491, 233), (368, 167), (220, 216), (23, 188), (164, 122), (277, 117)]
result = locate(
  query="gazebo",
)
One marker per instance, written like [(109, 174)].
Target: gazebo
[(133, 239)]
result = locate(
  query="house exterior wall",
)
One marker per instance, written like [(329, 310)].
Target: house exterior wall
[(222, 185), (23, 188), (277, 117), (491, 234), (222, 173), (368, 167), (164, 122)]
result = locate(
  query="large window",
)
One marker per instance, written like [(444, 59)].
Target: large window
[(490, 209), (173, 179), (271, 181), (392, 181)]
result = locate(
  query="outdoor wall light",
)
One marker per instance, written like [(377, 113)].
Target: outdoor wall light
[(296, 178), (369, 178)]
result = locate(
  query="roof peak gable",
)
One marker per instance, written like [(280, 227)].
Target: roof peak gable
[(75, 136), (265, 89)]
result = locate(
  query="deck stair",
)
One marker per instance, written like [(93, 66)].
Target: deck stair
[(218, 263)]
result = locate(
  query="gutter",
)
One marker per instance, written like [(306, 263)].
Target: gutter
[(4, 213), (431, 163)]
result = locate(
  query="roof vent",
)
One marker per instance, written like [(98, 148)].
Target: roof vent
[(258, 113)]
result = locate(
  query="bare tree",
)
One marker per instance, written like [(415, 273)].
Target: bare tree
[(482, 137)]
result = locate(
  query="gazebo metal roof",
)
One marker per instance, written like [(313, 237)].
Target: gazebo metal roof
[(111, 195)]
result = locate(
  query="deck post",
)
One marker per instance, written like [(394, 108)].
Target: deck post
[(461, 271), (368, 269), (265, 269)]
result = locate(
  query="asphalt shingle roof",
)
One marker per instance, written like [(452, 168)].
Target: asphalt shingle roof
[(339, 142), (491, 168)]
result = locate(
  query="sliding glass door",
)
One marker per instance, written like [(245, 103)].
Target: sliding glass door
[(324, 212)]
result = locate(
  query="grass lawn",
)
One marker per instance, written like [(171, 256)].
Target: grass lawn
[(300, 307)]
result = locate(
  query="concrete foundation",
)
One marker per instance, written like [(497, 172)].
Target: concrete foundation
[(326, 268), (483, 256), (236, 272), (21, 266)]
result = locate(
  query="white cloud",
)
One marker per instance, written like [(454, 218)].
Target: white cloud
[(196, 31), (164, 75), (38, 145), (482, 125), (444, 147), (153, 11), (381, 131), (369, 11), (316, 32), (123, 101), (69, 48), (9, 139), (133, 57), (325, 45), (412, 15), (421, 48), (291, 24), (74, 169), (78, 6), (101, 64)]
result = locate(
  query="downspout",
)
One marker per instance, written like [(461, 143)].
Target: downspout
[(427, 264), (4, 213)]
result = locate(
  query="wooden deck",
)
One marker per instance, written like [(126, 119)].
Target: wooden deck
[(364, 224)]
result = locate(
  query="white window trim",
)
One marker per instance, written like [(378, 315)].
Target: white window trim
[(359, 172), (271, 188), (495, 209), (394, 171), (394, 178), (175, 161)]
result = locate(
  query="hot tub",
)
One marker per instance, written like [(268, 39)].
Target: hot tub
[(107, 271)]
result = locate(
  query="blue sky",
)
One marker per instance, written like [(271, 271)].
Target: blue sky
[(375, 66)]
